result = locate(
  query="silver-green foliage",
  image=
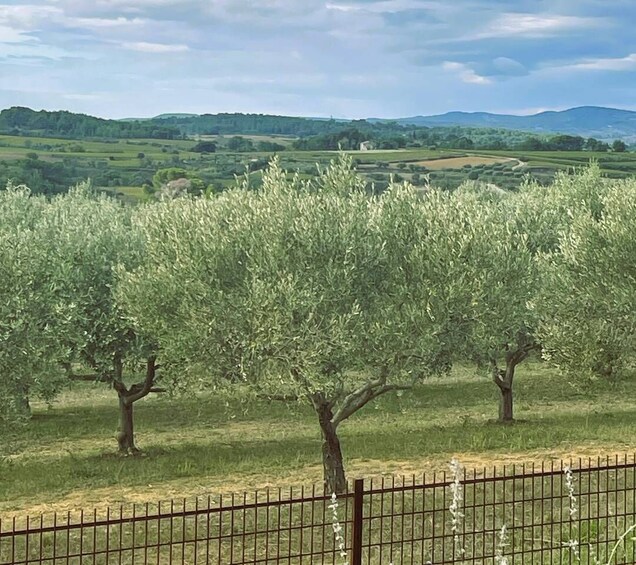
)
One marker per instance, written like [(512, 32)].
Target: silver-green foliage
[(29, 305), (92, 237), (589, 294), (294, 287), (301, 290)]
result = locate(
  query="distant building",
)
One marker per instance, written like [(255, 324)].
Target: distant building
[(366, 146)]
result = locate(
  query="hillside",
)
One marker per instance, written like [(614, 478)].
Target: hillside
[(460, 130), (586, 121), (25, 121), (258, 124)]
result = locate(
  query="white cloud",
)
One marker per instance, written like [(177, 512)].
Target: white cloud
[(27, 15), (146, 47), (465, 73), (534, 25), (11, 35), (105, 23), (86, 97), (627, 63), (386, 6), (600, 64)]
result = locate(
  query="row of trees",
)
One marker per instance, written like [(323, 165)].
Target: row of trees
[(314, 134), (313, 291), (350, 138)]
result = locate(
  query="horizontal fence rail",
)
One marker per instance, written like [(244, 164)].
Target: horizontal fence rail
[(521, 514)]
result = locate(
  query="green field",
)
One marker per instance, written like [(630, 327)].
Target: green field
[(123, 166), (65, 457)]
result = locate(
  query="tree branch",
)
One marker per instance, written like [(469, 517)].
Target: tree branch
[(138, 391), (281, 397), (89, 377), (360, 397)]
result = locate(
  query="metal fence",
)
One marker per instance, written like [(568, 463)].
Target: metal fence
[(551, 515)]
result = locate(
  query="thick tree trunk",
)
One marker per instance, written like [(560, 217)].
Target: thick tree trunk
[(505, 405), (127, 398), (126, 433), (504, 380), (23, 405), (333, 466)]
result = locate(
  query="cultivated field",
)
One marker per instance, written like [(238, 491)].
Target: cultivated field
[(459, 162), (123, 166)]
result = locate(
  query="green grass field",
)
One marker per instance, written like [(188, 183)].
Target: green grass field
[(65, 457)]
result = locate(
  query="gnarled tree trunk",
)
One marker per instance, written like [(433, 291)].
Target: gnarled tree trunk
[(127, 399), (504, 379), (126, 433), (332, 462)]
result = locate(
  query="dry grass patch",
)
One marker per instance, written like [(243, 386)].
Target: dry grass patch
[(459, 162)]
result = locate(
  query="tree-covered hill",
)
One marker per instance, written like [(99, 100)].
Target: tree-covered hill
[(25, 121), (586, 121), (263, 124)]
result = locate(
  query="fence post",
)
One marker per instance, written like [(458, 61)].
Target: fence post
[(358, 499)]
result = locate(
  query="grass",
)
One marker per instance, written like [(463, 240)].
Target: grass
[(64, 458)]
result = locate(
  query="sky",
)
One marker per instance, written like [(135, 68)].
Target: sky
[(340, 58)]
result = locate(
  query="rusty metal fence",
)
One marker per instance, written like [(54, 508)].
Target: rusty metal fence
[(583, 511)]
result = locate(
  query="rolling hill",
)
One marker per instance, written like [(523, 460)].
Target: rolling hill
[(586, 121)]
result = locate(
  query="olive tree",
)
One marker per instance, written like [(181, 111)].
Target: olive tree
[(589, 292), (313, 292), (509, 231), (93, 238), (488, 277), (544, 213), (28, 305)]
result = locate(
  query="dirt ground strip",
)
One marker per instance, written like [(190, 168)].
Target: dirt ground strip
[(114, 496)]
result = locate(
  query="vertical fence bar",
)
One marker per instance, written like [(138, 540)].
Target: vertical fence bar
[(146, 536), (207, 532), (183, 532), (134, 527), (358, 510), (94, 535), (311, 533), (121, 532)]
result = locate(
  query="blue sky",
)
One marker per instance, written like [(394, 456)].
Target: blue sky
[(345, 58)]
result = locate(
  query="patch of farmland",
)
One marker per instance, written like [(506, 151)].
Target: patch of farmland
[(459, 162)]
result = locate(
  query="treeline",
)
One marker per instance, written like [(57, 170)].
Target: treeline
[(48, 178), (313, 291), (24, 121), (351, 138), (313, 134), (251, 124)]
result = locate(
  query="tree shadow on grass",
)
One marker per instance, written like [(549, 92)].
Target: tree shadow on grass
[(244, 455)]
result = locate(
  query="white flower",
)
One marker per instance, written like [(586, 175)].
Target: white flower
[(457, 492), (569, 485), (500, 559)]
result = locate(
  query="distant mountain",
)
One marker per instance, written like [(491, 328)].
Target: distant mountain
[(586, 121)]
